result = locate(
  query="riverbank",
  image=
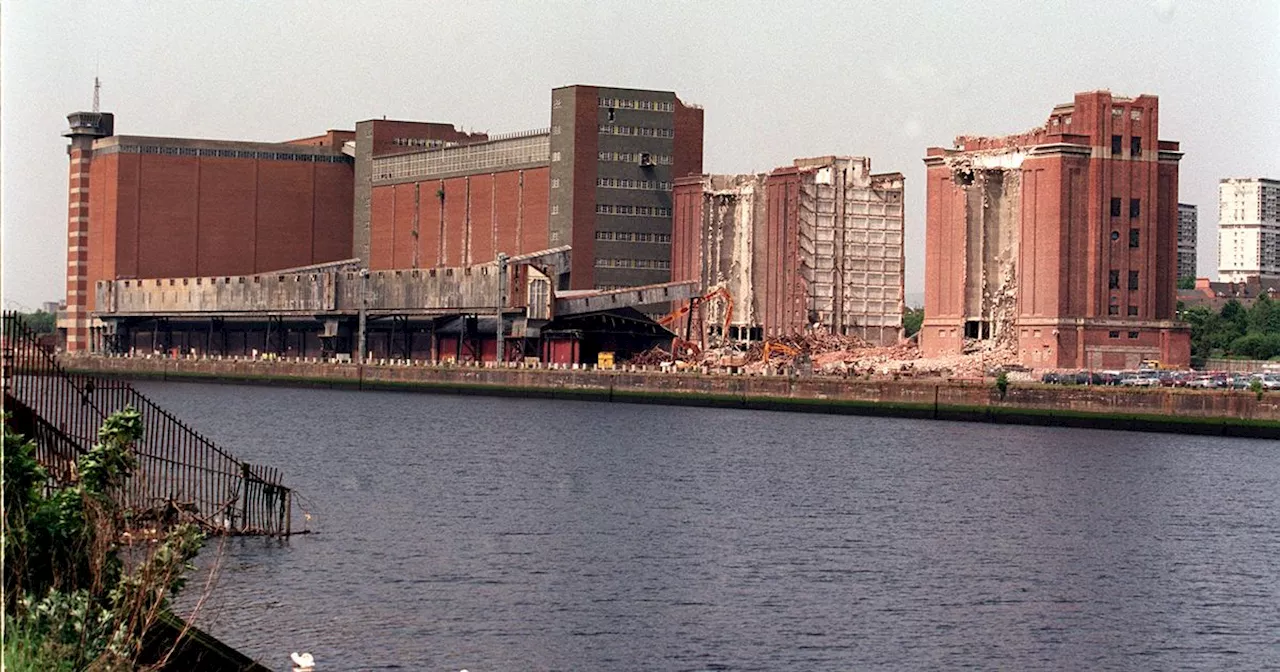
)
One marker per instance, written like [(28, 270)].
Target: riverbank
[(1214, 412)]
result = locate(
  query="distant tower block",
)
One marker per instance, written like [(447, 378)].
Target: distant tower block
[(85, 127)]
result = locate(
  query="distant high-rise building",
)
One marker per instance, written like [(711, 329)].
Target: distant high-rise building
[(1248, 229), (1187, 221)]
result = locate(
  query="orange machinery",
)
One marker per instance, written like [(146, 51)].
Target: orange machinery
[(686, 311)]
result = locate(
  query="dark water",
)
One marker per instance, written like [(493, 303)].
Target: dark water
[(498, 534)]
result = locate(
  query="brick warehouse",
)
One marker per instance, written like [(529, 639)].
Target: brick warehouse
[(1060, 242), (390, 194), (817, 242)]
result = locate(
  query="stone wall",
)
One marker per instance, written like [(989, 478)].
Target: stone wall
[(1179, 410)]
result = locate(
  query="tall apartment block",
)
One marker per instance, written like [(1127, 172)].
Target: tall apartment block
[(818, 242), (1060, 243), (1248, 229), (1187, 223), (614, 155)]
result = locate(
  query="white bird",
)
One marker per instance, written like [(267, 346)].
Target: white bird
[(303, 661)]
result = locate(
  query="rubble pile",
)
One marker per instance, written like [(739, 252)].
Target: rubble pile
[(823, 353)]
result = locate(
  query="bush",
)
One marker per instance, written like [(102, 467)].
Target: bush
[(1256, 346), (69, 603)]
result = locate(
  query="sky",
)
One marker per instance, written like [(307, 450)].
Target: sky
[(778, 80)]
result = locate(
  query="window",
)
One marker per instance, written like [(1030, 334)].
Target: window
[(555, 183), (555, 130), (1115, 235), (1113, 334), (555, 209), (1133, 311), (1135, 146), (1135, 207), (1133, 237), (1113, 280), (1135, 114), (1133, 280), (1117, 145), (1133, 334), (1113, 310), (555, 156), (1115, 207)]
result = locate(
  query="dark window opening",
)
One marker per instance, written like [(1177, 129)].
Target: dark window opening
[(964, 177), (1133, 279), (1116, 145), (977, 329), (1133, 334), (1135, 146), (1133, 237), (1113, 334), (1113, 280), (611, 114), (1133, 311), (1113, 310), (1115, 207), (1135, 207), (1115, 235)]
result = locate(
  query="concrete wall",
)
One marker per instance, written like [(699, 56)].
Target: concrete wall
[(1216, 411)]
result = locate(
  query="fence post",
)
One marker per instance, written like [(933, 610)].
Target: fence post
[(244, 496), (288, 511)]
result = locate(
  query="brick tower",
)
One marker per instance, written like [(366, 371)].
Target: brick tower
[(85, 127)]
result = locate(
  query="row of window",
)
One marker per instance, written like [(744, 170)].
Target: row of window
[(633, 237), (624, 183), (633, 210), (420, 142), (1117, 144), (642, 158), (650, 105), (1116, 334), (640, 131), (1115, 310), (228, 153), (1134, 113), (1135, 207), (1113, 280), (652, 264)]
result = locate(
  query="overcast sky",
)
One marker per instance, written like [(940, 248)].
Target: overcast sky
[(778, 80)]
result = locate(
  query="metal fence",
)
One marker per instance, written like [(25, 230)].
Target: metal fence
[(178, 473)]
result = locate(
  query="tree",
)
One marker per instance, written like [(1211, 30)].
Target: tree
[(1187, 282), (912, 318), (40, 322), (1263, 317)]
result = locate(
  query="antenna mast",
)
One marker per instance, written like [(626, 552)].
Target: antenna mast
[(97, 85)]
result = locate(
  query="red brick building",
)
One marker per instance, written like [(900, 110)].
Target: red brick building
[(146, 207), (1060, 243), (393, 194)]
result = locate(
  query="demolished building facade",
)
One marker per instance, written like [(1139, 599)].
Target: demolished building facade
[(818, 244), (1057, 246)]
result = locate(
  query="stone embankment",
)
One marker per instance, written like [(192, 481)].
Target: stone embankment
[(1220, 412)]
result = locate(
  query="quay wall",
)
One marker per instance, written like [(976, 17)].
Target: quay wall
[(1218, 412)]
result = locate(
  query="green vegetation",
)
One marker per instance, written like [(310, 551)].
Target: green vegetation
[(1252, 333), (1002, 384), (40, 322), (74, 597), (1187, 283), (912, 318)]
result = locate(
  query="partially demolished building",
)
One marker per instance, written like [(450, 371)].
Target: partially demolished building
[(1059, 245), (818, 243)]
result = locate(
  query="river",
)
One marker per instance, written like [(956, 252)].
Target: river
[(504, 534)]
